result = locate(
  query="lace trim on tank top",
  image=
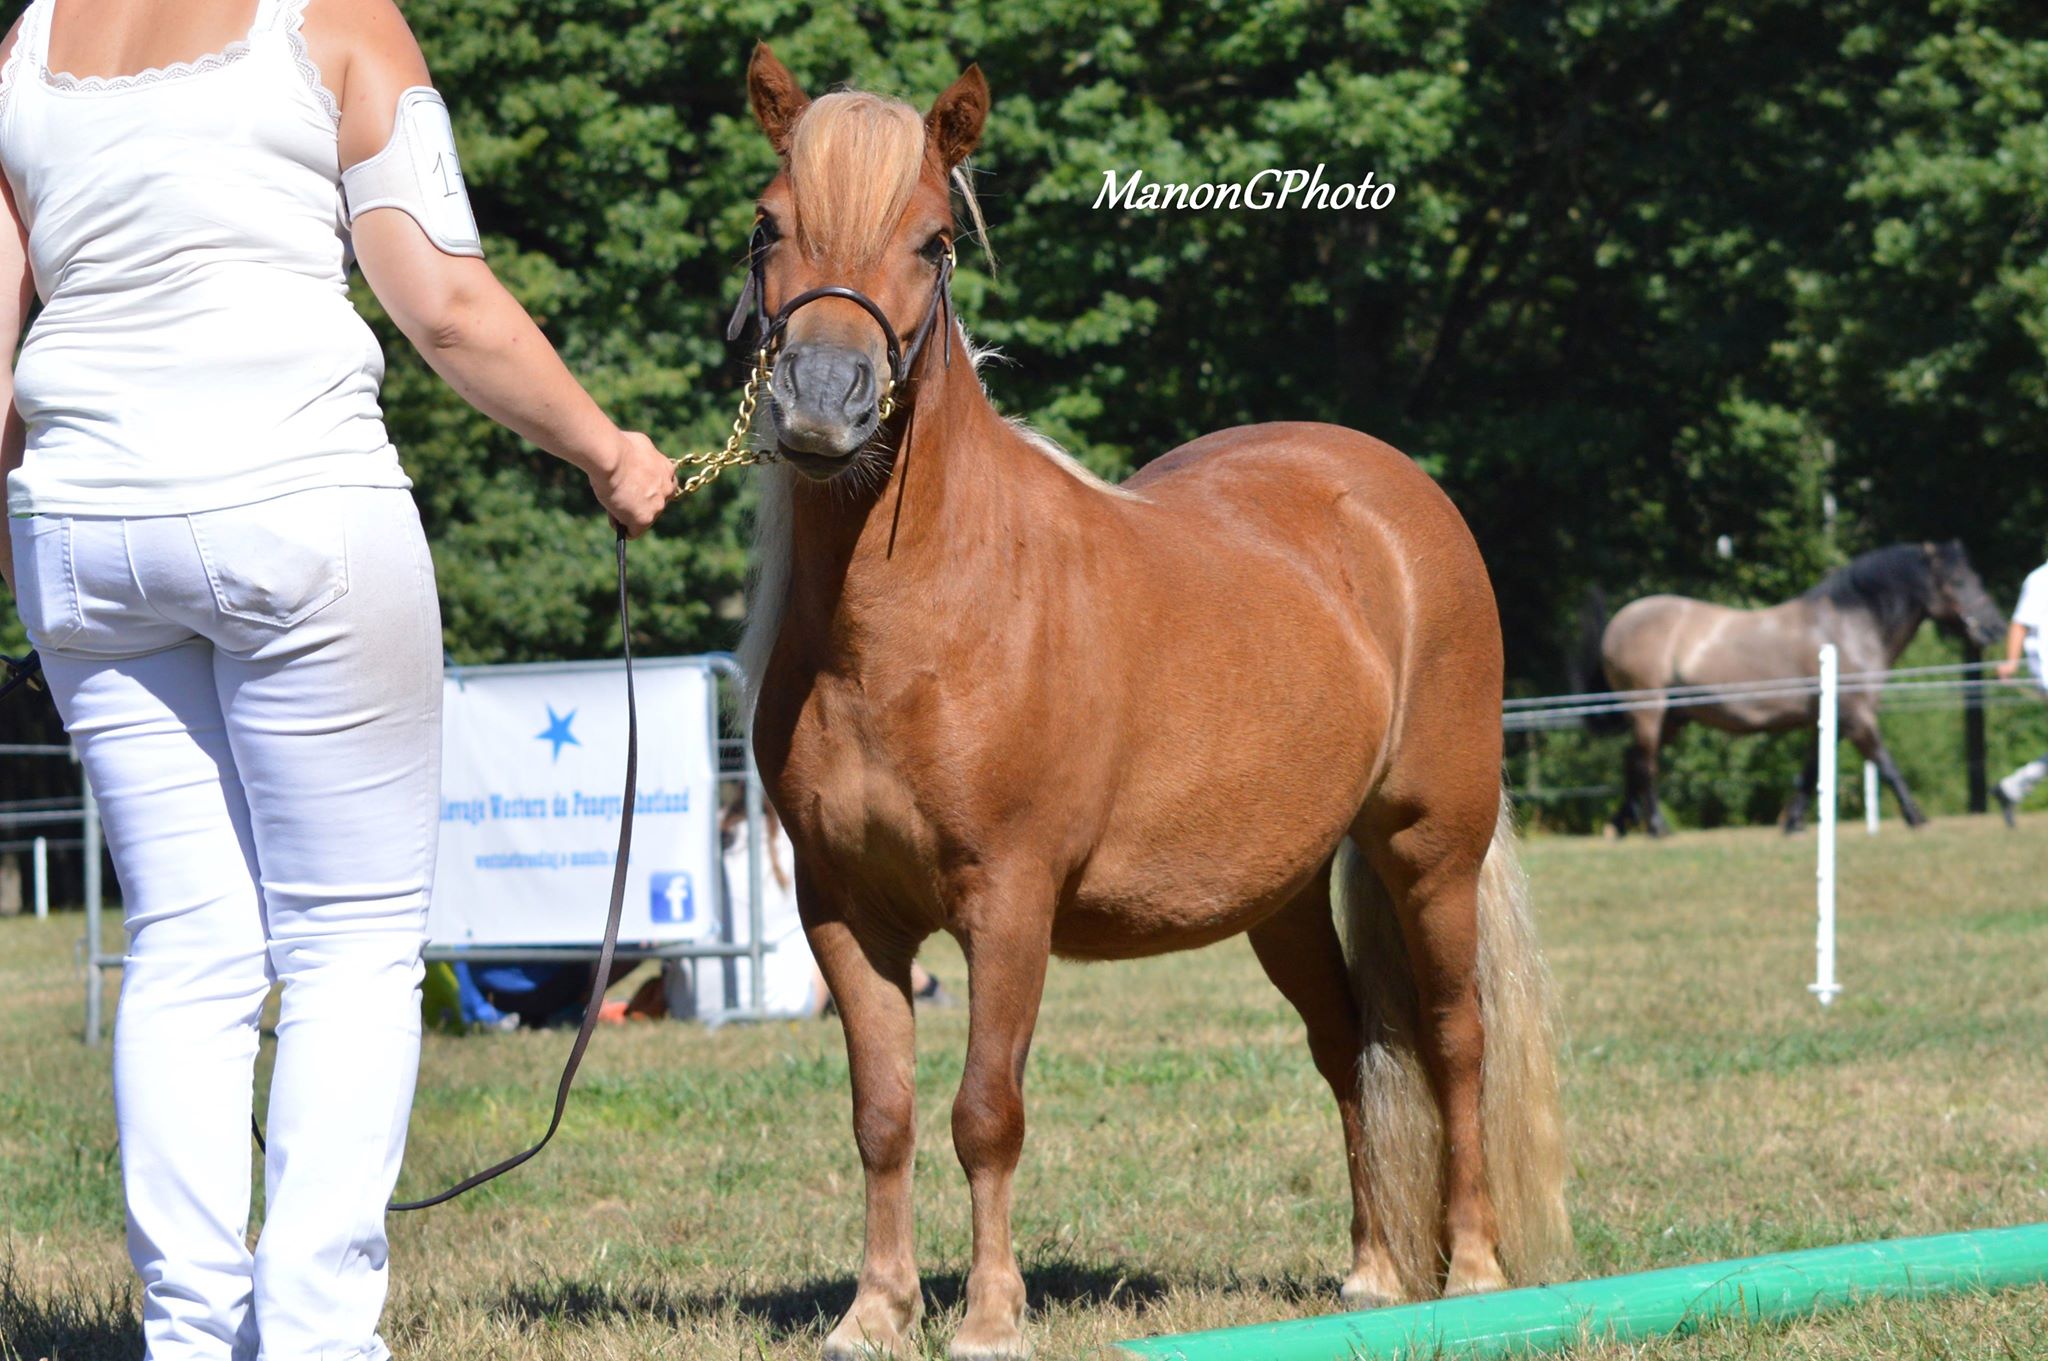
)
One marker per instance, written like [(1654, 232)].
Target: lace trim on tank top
[(155, 75), (289, 17), (292, 15)]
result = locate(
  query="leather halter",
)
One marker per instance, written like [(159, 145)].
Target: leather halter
[(769, 328)]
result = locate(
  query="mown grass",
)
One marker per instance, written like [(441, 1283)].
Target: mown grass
[(1182, 1168)]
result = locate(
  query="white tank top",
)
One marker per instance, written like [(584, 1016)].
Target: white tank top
[(197, 348)]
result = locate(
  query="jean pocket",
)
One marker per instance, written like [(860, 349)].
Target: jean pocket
[(46, 584), (276, 562)]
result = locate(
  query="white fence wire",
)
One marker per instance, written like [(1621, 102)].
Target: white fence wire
[(1905, 688)]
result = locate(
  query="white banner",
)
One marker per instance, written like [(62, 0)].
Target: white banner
[(533, 760)]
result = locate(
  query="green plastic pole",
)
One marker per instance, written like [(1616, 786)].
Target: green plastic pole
[(1782, 1285)]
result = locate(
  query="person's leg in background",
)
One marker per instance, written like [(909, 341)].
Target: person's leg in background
[(2012, 791), (476, 1008), (2014, 788), (136, 692), (329, 677)]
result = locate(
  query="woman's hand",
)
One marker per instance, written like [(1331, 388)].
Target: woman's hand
[(636, 484)]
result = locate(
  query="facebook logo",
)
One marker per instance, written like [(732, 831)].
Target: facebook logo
[(672, 900)]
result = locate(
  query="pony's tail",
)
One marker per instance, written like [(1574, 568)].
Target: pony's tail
[(1588, 667), (1520, 1121)]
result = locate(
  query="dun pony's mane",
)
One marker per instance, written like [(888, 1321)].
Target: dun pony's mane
[(1891, 583)]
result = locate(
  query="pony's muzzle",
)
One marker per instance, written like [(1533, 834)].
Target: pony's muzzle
[(824, 403)]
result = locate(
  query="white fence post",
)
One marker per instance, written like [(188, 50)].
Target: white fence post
[(1824, 986), (39, 852), (1870, 797)]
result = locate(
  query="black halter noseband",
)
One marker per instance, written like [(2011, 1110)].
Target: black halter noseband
[(768, 329)]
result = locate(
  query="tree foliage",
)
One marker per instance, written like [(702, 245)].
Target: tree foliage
[(1659, 272)]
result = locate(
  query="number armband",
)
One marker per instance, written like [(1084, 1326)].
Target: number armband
[(419, 174)]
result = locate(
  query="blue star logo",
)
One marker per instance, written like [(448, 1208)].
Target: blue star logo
[(558, 732)]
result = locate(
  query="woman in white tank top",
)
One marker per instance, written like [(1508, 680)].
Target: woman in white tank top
[(211, 542)]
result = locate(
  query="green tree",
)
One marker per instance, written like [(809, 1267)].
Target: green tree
[(1658, 272), (1923, 348)]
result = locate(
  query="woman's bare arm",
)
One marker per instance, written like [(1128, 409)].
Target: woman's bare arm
[(17, 294), (452, 308)]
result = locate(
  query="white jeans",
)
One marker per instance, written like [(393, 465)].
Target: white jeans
[(255, 694), (2021, 782)]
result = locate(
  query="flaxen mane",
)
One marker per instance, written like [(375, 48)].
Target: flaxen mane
[(854, 159)]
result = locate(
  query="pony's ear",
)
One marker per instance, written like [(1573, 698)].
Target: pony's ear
[(776, 96), (957, 116)]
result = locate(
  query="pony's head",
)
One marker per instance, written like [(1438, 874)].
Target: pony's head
[(861, 206), (1957, 599)]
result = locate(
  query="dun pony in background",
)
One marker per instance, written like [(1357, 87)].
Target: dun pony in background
[(1003, 699), (1869, 609)]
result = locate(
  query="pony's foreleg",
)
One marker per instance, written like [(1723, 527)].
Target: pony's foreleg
[(1862, 730), (872, 989), (1300, 951), (1006, 935)]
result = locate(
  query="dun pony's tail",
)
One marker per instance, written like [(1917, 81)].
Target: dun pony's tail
[(1520, 1121), (1588, 667)]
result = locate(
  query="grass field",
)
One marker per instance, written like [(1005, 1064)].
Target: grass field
[(1182, 1169)]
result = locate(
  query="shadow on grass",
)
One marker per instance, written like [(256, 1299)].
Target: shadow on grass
[(67, 1322), (812, 1305)]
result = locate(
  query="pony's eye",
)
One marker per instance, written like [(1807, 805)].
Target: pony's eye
[(936, 249), (766, 234)]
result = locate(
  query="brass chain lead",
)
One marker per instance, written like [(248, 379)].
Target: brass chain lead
[(735, 454)]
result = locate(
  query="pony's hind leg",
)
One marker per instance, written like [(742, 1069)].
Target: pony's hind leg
[(1803, 788), (1300, 951), (1005, 930), (871, 986), (1650, 730), (1428, 863)]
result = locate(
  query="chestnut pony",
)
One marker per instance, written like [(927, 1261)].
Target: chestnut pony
[(1000, 698)]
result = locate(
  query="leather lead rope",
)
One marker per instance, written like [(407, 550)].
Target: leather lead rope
[(20, 672), (604, 958)]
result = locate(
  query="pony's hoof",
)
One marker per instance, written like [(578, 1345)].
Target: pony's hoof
[(1474, 1273), (838, 1348), (989, 1342), (1373, 1286), (867, 1349), (1358, 1298), (873, 1331)]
